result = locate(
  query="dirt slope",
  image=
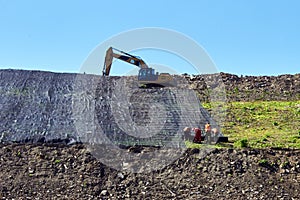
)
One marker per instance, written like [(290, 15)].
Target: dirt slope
[(70, 172)]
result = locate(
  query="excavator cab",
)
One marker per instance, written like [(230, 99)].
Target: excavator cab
[(147, 74)]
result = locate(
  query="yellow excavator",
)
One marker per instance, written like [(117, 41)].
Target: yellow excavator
[(146, 77)]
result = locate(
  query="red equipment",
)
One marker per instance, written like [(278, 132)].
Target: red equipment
[(197, 138)]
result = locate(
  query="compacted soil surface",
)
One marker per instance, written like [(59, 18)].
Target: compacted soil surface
[(44, 171)]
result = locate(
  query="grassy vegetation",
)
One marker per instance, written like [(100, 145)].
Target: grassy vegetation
[(192, 145), (262, 123)]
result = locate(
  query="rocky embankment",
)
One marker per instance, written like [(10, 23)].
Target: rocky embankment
[(249, 88), (67, 108)]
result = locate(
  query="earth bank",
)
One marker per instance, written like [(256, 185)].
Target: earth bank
[(40, 171)]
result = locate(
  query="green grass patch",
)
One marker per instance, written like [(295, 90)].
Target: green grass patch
[(57, 161), (202, 145), (263, 162), (261, 123), (193, 145)]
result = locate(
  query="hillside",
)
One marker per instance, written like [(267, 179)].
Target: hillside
[(40, 157), (42, 106), (261, 111), (68, 108)]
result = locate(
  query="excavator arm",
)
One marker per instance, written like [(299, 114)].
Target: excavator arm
[(146, 76), (121, 55)]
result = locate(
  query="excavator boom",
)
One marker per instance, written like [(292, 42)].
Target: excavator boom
[(126, 57), (146, 76)]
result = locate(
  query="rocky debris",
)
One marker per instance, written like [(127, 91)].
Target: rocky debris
[(70, 171), (248, 88)]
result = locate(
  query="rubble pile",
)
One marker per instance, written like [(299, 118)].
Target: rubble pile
[(249, 88)]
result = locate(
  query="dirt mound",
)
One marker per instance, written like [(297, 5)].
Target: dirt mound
[(249, 88), (58, 171)]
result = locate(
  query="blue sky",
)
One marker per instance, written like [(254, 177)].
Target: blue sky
[(242, 37)]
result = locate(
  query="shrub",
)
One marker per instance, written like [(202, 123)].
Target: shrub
[(241, 143), (275, 123)]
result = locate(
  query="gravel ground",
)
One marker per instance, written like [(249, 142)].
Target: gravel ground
[(42, 171)]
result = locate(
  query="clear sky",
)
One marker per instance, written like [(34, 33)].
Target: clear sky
[(257, 37)]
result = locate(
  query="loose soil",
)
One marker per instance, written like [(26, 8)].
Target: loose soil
[(40, 171)]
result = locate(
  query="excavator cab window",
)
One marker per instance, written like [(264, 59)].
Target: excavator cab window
[(142, 73), (147, 74), (152, 72)]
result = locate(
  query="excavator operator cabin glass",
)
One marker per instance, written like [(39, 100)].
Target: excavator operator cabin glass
[(142, 73)]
